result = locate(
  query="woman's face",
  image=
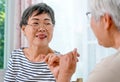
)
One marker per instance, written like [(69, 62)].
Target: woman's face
[(100, 31), (39, 30)]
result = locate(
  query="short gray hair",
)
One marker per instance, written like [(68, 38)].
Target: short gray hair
[(112, 7), (39, 8)]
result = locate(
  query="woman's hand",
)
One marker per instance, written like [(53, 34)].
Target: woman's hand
[(62, 66), (53, 62), (67, 66)]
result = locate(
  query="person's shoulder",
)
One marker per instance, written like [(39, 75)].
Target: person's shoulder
[(112, 59), (106, 69), (16, 52), (111, 62)]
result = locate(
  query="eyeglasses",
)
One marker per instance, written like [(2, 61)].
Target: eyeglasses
[(88, 14), (36, 26)]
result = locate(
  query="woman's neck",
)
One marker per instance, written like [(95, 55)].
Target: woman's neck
[(117, 40), (39, 50), (37, 54)]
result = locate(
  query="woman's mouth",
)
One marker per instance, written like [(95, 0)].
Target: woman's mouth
[(41, 36)]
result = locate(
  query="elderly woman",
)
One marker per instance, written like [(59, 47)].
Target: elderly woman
[(105, 23), (27, 64)]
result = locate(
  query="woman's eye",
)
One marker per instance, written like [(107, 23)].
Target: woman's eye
[(48, 23), (35, 23)]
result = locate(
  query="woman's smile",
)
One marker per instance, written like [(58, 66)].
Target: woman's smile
[(41, 36)]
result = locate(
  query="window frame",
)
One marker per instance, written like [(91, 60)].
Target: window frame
[(8, 40)]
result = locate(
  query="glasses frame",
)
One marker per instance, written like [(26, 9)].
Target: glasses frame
[(88, 14), (37, 26)]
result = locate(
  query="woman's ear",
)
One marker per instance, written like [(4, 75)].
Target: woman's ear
[(23, 29), (107, 21)]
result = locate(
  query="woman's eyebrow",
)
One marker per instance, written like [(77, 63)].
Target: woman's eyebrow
[(39, 19), (47, 19), (34, 19)]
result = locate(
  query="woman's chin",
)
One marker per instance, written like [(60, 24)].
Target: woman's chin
[(104, 45), (41, 44)]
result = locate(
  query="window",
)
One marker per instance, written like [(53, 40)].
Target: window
[(2, 19)]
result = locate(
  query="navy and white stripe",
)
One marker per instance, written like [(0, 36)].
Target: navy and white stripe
[(20, 69)]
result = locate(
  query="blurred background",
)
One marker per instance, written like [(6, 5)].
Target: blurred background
[(72, 30)]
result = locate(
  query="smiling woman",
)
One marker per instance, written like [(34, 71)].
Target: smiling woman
[(27, 63)]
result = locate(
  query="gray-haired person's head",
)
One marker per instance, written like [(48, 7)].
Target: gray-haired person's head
[(40, 8), (112, 7)]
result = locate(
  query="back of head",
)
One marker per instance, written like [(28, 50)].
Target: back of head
[(112, 7)]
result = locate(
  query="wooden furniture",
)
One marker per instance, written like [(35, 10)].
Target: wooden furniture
[(78, 80)]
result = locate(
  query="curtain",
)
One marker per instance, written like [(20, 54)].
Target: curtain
[(14, 37), (20, 6)]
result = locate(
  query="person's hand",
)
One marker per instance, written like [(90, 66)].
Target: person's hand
[(53, 62), (62, 65), (67, 66)]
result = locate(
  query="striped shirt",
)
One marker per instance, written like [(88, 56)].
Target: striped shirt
[(20, 69)]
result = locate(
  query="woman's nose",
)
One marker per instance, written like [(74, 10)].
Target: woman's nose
[(42, 29)]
